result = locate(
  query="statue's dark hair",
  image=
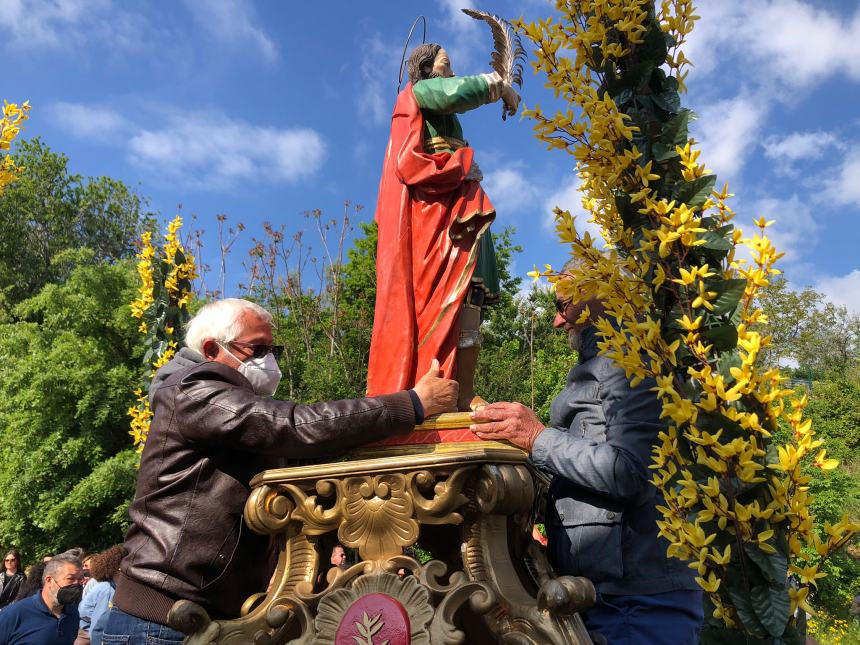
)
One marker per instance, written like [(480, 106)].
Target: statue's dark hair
[(419, 65)]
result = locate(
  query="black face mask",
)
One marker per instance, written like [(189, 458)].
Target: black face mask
[(70, 594)]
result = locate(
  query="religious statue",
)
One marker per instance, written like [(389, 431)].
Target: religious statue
[(436, 265)]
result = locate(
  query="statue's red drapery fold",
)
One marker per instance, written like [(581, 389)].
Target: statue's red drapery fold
[(430, 219)]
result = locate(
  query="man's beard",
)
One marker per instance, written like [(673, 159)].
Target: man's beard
[(574, 339)]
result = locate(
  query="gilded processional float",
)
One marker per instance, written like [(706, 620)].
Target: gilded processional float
[(467, 507)]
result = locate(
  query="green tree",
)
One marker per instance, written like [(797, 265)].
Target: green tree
[(823, 339), (70, 361), (48, 209)]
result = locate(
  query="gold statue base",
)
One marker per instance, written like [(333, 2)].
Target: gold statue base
[(443, 533)]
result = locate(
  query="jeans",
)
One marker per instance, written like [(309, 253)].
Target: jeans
[(124, 629), (672, 618)]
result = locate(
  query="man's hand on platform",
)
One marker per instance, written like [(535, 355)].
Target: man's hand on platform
[(437, 394), (512, 422)]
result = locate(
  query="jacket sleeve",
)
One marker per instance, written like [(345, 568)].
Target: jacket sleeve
[(209, 410), (618, 467)]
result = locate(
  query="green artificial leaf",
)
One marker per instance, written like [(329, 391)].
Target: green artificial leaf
[(774, 566), (724, 337), (669, 101), (695, 193), (729, 293), (744, 607), (727, 362), (663, 152), (771, 605), (716, 240), (675, 129)]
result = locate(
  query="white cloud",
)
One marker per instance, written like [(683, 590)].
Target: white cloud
[(71, 24), (212, 150), (509, 189), (788, 41), (88, 122), (726, 131), (461, 35), (795, 231), (842, 290), (234, 23), (791, 150), (798, 145), (844, 188), (569, 198), (378, 71)]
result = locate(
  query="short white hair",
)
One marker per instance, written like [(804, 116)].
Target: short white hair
[(220, 321)]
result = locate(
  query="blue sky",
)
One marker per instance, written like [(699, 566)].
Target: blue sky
[(265, 110)]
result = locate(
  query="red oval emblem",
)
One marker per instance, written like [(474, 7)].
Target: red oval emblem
[(374, 619)]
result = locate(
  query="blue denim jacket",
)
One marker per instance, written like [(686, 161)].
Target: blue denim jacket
[(601, 513)]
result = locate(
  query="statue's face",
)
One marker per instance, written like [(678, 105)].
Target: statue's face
[(442, 64)]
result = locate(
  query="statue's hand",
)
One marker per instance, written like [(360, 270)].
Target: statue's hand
[(511, 99), (436, 394)]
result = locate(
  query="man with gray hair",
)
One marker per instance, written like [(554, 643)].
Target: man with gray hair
[(51, 616), (215, 426)]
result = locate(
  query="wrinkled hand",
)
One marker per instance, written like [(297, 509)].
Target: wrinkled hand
[(436, 394), (512, 422), (511, 99)]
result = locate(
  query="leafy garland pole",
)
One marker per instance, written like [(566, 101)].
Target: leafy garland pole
[(162, 307), (11, 120), (681, 309)]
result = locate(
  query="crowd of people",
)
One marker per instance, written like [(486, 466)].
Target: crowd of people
[(62, 599)]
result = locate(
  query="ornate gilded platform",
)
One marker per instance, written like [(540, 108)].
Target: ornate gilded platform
[(443, 533)]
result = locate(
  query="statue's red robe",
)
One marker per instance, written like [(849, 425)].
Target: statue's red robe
[(430, 221)]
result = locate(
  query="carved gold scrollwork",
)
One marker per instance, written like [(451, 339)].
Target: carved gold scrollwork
[(447, 495), (378, 515), (190, 618), (504, 489), (315, 518), (267, 511), (481, 599), (506, 592), (566, 595)]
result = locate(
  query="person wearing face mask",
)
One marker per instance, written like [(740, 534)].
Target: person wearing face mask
[(215, 425), (50, 617)]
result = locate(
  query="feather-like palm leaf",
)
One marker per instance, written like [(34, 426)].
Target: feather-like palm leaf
[(508, 53)]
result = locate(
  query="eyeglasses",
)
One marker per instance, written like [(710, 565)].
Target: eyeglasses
[(562, 305), (261, 351)]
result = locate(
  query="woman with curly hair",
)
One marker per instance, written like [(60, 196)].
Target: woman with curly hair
[(103, 568)]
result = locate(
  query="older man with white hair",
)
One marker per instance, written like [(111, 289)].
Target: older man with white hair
[(214, 427)]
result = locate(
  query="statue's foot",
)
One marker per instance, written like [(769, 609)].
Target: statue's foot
[(470, 404)]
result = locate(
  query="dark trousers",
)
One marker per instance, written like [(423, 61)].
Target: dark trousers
[(672, 618), (124, 629)]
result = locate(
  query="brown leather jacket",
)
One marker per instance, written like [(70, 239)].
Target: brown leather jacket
[(210, 435)]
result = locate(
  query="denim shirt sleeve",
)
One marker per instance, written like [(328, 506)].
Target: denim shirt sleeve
[(617, 467)]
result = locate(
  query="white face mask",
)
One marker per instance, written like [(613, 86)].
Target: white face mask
[(263, 373)]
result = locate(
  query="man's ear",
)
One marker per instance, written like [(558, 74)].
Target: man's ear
[(210, 349)]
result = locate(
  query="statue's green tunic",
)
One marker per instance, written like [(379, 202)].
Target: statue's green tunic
[(440, 100)]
